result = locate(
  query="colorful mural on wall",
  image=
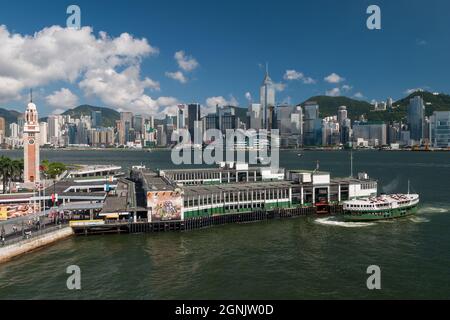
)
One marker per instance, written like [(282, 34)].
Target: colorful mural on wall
[(165, 205), (17, 210)]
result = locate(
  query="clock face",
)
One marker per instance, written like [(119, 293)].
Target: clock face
[(31, 141)]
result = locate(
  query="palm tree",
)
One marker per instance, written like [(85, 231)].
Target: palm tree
[(5, 171), (16, 170), (10, 170)]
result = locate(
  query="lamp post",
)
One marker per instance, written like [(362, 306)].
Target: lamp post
[(54, 192), (44, 200)]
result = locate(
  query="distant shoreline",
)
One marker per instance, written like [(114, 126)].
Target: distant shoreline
[(281, 149)]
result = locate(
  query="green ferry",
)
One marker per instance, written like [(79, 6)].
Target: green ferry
[(381, 208)]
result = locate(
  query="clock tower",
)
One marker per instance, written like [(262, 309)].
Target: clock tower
[(31, 144)]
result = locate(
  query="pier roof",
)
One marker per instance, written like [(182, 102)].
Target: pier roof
[(191, 191), (62, 186), (214, 169), (154, 182), (123, 200), (308, 171), (350, 180)]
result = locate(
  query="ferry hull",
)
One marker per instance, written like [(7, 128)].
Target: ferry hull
[(384, 215)]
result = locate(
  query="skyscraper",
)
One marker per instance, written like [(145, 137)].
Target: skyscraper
[(297, 125), (255, 116), (161, 136), (193, 116), (312, 124), (54, 129), (343, 124), (342, 115), (21, 123), (416, 110), (440, 129), (374, 133), (226, 116), (14, 130), (126, 119), (43, 135), (2, 129), (96, 119), (267, 98), (390, 103), (138, 124), (284, 119), (182, 116)]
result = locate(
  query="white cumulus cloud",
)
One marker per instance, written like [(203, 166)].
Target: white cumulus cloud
[(178, 76), (291, 75), (334, 78), (103, 66), (409, 91), (347, 88), (358, 95), (248, 96), (279, 86), (335, 92), (62, 99), (221, 101), (186, 63), (125, 90)]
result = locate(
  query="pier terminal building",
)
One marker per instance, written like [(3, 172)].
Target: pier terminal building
[(235, 188)]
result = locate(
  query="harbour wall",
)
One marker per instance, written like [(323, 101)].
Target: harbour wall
[(24, 246)]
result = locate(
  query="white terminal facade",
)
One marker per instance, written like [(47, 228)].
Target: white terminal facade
[(234, 188)]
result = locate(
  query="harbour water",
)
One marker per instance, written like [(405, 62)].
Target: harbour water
[(310, 257)]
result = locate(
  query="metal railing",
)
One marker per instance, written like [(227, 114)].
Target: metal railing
[(29, 234), (125, 221)]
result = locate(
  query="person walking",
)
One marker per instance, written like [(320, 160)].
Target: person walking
[(3, 235)]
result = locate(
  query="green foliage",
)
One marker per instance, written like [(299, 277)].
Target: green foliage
[(10, 170), (328, 106), (53, 169)]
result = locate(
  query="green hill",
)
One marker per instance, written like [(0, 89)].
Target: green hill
[(433, 102), (10, 117), (328, 106), (109, 116)]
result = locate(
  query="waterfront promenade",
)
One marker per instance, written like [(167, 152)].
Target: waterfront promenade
[(18, 245)]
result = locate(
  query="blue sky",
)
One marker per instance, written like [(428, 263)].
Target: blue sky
[(230, 41)]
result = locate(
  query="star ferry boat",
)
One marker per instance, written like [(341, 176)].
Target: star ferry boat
[(381, 208)]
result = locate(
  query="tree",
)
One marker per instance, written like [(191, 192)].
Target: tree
[(10, 170), (5, 169), (53, 169)]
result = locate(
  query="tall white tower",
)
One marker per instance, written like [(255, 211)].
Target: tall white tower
[(267, 98), (31, 143)]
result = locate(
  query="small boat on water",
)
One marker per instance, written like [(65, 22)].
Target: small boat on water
[(381, 208)]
